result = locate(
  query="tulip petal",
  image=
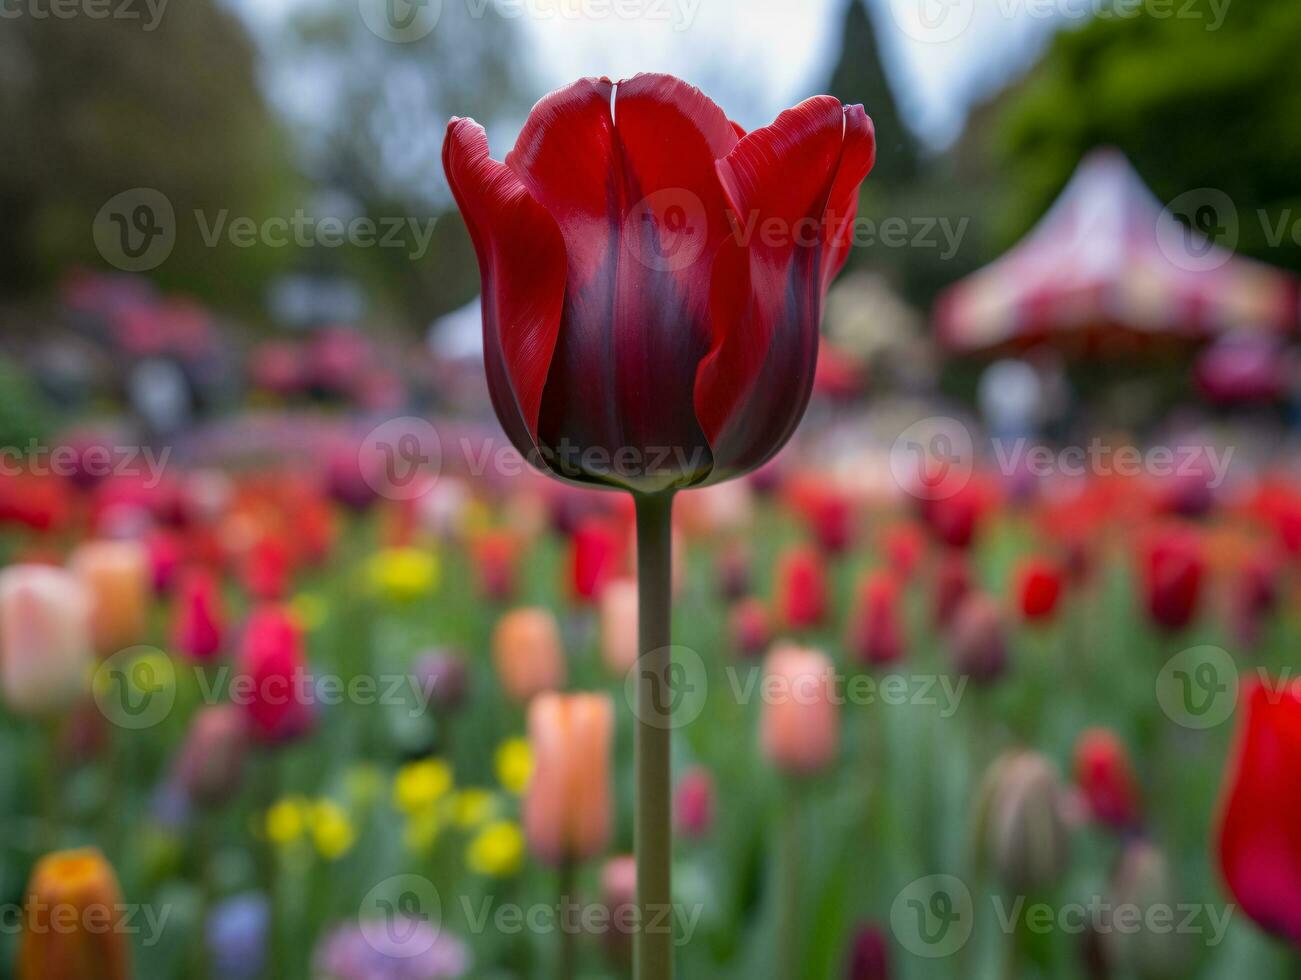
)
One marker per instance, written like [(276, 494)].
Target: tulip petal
[(522, 265), (768, 281), (856, 159)]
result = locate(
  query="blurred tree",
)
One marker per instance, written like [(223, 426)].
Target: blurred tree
[(93, 107), (1206, 98)]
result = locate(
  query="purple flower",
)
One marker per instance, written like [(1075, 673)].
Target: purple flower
[(237, 936), (400, 948)]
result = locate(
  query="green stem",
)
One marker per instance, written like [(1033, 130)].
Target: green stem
[(653, 941), (568, 950), (50, 767), (788, 926)]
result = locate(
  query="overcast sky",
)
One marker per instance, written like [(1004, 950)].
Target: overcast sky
[(759, 56)]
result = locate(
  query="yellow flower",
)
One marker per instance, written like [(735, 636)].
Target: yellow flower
[(473, 807), (497, 850), (286, 820), (332, 830), (403, 574), (419, 785), (514, 764), (309, 609), (362, 784)]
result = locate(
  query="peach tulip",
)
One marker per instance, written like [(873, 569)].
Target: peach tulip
[(567, 806), (801, 720), (619, 625), (118, 577), (528, 653), (45, 644)]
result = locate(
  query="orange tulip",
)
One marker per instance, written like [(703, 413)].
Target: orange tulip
[(45, 651), (72, 919), (801, 720), (619, 625), (528, 653), (118, 577), (567, 805)]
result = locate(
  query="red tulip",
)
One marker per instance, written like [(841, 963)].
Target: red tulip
[(1259, 835), (1106, 778), (952, 520), (952, 583), (827, 511), (642, 329), (1038, 587), (198, 624), (267, 569), (802, 590), (903, 548), (876, 631), (693, 803), (1253, 597), (749, 627), (869, 957), (1173, 567), (495, 556), (596, 554), (274, 685)]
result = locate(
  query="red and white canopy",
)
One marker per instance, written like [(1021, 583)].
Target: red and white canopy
[(1107, 265)]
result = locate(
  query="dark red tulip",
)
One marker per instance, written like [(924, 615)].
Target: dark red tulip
[(978, 639), (273, 685), (952, 583), (802, 590), (903, 547), (869, 956), (1106, 779), (595, 556), (876, 629), (1259, 837), (1038, 588), (1253, 597), (693, 803), (1172, 572), (641, 329), (953, 520), (750, 628), (198, 622)]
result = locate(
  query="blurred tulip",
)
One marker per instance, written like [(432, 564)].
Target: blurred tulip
[(116, 577), (869, 955), (496, 554), (443, 675), (595, 557), (567, 806), (45, 640), (277, 698), (1172, 571), (827, 511), (732, 569), (73, 901), (399, 946), (953, 520), (749, 628), (528, 653), (978, 639), (352, 475), (619, 626), (198, 619), (693, 803), (800, 727), (1254, 597), (952, 584), (1143, 881), (1106, 778), (1038, 588), (619, 899), (267, 568), (1019, 822), (802, 590), (1259, 838), (166, 551), (876, 628), (210, 768), (903, 547)]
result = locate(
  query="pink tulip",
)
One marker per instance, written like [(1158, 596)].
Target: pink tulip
[(619, 625), (567, 807), (275, 685), (45, 642), (693, 803), (528, 653), (198, 624), (800, 730)]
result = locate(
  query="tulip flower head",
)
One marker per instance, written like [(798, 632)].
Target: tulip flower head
[(1038, 589), (1172, 572), (1143, 880), (596, 554), (70, 896), (528, 653), (1259, 838), (631, 337), (800, 728), (876, 631), (117, 577), (198, 623), (45, 639), (693, 803), (567, 806), (750, 629), (1106, 778), (869, 955), (978, 639), (619, 625), (1020, 823), (279, 701), (802, 590), (210, 769)]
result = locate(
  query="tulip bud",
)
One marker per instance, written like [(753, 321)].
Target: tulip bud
[(528, 653), (619, 897), (45, 640), (952, 520), (116, 577), (1107, 780), (443, 676), (1038, 587), (1172, 572), (69, 933), (210, 768), (732, 569), (166, 551), (903, 548), (869, 956), (198, 621), (800, 729), (1143, 881), (619, 639), (876, 630), (595, 557), (1019, 822), (693, 803), (952, 583), (567, 806), (749, 628), (978, 639), (802, 591), (280, 703), (495, 557)]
